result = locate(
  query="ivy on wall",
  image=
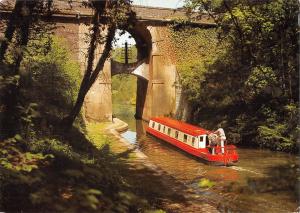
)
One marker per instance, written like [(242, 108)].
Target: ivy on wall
[(195, 49)]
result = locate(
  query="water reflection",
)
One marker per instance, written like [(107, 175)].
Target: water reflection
[(224, 174), (130, 136), (262, 181)]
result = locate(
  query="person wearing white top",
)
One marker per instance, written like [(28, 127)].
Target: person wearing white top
[(220, 132), (213, 141)]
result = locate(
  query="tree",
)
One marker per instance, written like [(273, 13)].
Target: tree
[(107, 15), (22, 19), (254, 80), (22, 25)]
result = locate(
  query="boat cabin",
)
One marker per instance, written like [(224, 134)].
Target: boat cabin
[(183, 132)]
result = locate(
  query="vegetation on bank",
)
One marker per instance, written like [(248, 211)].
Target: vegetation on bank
[(44, 169), (243, 74)]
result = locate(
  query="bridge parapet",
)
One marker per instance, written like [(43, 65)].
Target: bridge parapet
[(76, 9)]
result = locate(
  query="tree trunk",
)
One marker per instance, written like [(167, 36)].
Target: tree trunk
[(69, 120), (10, 29), (24, 33), (11, 118), (105, 54), (90, 77)]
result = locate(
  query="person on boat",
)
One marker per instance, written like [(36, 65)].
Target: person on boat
[(213, 141), (221, 138)]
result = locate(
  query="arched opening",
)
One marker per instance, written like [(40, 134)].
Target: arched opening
[(124, 48), (130, 71)]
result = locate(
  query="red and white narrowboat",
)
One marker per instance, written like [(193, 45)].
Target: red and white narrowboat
[(192, 139)]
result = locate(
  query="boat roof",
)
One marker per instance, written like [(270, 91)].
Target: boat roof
[(181, 126)]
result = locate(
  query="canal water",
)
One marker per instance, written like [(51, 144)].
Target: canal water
[(262, 180)]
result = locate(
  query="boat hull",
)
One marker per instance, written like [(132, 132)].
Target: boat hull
[(228, 158)]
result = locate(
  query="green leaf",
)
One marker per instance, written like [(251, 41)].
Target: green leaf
[(94, 191), (206, 183)]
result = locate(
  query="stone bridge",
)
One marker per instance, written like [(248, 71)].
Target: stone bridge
[(136, 68), (158, 92)]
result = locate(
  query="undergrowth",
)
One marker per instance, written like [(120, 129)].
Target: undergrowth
[(42, 168)]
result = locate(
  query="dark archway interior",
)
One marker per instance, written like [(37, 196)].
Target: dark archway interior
[(143, 40)]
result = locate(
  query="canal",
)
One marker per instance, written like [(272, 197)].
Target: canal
[(262, 180)]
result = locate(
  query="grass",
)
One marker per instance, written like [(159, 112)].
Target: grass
[(100, 137), (95, 134)]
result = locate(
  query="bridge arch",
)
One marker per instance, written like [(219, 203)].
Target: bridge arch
[(156, 90), (140, 68), (143, 40)]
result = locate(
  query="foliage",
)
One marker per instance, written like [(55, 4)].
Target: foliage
[(260, 80), (206, 183), (9, 84), (281, 136), (7, 81), (30, 150), (249, 85), (57, 66), (118, 54), (124, 89), (193, 64), (14, 158)]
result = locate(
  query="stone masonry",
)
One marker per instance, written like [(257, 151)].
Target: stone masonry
[(156, 96)]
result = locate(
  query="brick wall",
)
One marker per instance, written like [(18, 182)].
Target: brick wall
[(69, 32)]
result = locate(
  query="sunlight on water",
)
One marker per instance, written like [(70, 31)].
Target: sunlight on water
[(244, 170), (130, 136)]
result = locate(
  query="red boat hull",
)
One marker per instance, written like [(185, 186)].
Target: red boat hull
[(230, 155)]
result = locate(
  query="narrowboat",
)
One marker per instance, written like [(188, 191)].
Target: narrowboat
[(193, 140)]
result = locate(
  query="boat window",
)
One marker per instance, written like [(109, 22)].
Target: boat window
[(176, 134), (193, 140), (201, 138), (153, 123), (206, 139), (158, 127), (169, 131), (185, 138), (164, 129)]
